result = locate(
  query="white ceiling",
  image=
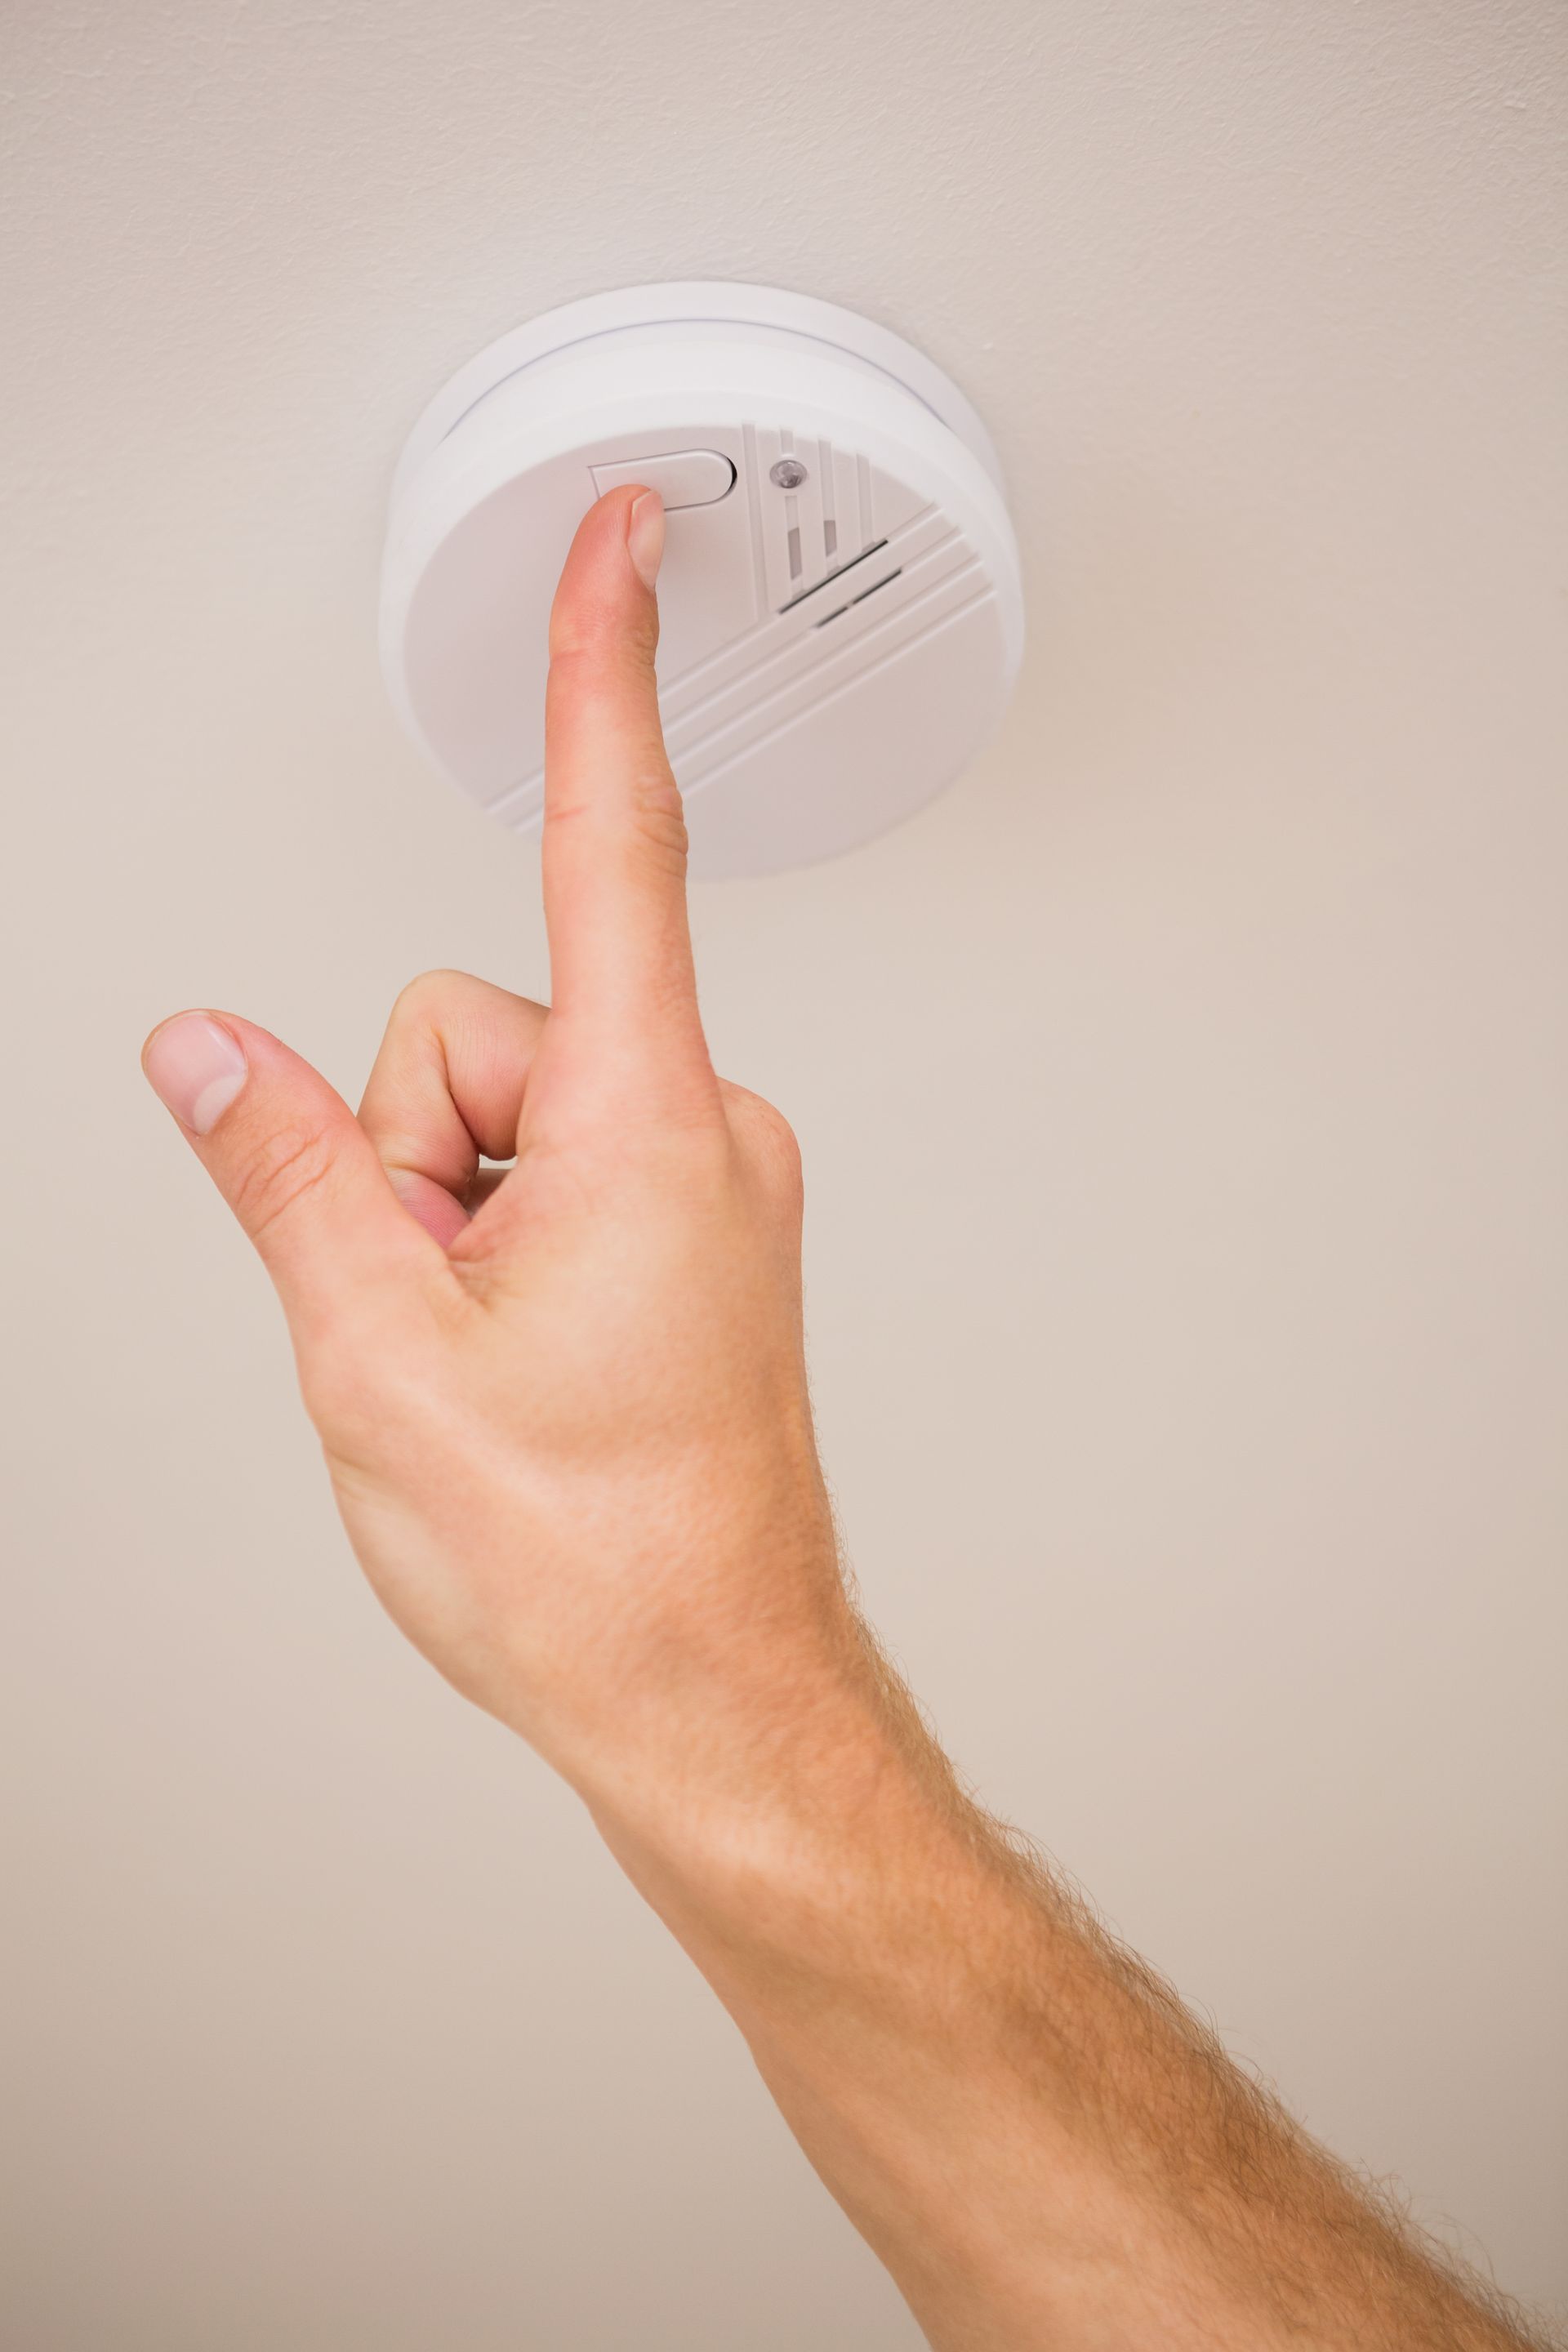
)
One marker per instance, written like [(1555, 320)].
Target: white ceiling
[(1182, 1100)]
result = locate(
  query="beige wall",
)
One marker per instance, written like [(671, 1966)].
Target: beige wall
[(1182, 1100)]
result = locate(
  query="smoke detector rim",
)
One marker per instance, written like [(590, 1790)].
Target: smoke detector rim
[(694, 301)]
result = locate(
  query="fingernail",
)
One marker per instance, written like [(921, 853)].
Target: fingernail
[(196, 1068), (645, 536)]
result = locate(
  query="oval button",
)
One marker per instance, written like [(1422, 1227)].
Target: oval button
[(683, 477)]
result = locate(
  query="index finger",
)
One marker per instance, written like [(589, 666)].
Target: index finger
[(615, 835)]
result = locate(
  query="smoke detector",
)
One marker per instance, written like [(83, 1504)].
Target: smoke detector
[(841, 615)]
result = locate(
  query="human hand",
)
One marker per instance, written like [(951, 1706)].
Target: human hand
[(566, 1423)]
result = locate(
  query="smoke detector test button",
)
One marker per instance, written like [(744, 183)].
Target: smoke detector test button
[(685, 477)]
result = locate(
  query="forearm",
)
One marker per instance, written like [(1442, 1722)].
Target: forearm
[(1044, 2147)]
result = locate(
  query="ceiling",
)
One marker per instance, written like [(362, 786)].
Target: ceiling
[(1182, 1098)]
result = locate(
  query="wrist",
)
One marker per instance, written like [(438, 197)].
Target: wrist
[(722, 1741), (807, 1823)]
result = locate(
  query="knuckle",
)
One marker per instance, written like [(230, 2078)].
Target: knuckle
[(659, 818), (590, 638), (642, 827), (786, 1173), (281, 1169), (340, 1394), (770, 1145), (421, 999), (368, 1386), (344, 1392)]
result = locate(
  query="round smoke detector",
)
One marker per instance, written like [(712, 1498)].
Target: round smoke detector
[(841, 617)]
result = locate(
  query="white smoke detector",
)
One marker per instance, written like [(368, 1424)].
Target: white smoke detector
[(841, 617)]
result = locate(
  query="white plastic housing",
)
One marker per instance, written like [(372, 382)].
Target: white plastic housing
[(841, 616)]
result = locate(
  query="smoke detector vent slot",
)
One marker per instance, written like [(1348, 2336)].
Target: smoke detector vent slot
[(816, 589)]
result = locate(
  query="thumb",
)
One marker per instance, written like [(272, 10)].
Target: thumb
[(293, 1163)]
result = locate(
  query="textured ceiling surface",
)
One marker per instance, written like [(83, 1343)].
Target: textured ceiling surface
[(1181, 1097)]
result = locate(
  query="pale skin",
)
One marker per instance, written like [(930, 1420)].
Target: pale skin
[(567, 1421)]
